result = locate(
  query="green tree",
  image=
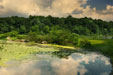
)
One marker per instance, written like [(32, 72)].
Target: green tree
[(32, 36)]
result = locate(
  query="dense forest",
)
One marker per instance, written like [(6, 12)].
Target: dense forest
[(53, 29)]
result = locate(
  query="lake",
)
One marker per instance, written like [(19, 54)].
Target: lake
[(60, 63)]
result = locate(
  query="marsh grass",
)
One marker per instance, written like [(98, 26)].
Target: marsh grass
[(17, 51), (59, 46)]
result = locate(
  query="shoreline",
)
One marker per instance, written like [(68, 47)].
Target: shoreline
[(58, 46)]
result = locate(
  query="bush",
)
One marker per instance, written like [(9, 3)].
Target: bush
[(14, 38), (74, 38), (12, 34), (9, 34), (3, 36), (21, 37), (84, 43), (32, 36), (63, 37)]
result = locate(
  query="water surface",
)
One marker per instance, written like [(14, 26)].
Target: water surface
[(58, 63)]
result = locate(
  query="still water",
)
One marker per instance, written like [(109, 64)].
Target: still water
[(58, 63)]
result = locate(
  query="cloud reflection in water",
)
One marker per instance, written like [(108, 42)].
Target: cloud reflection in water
[(76, 64)]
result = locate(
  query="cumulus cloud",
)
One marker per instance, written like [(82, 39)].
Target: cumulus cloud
[(60, 8), (106, 14), (18, 7)]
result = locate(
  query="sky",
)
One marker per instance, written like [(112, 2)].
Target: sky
[(96, 9)]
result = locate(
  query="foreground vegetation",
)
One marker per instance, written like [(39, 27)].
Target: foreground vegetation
[(19, 51)]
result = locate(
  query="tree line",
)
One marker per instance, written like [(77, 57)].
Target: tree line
[(43, 25), (54, 29)]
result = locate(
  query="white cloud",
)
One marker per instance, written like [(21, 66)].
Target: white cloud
[(109, 7), (60, 8), (106, 14)]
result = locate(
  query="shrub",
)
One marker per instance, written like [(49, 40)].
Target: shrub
[(12, 34), (32, 36), (21, 37), (63, 37), (84, 43), (3, 36), (9, 34), (41, 38), (14, 38)]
